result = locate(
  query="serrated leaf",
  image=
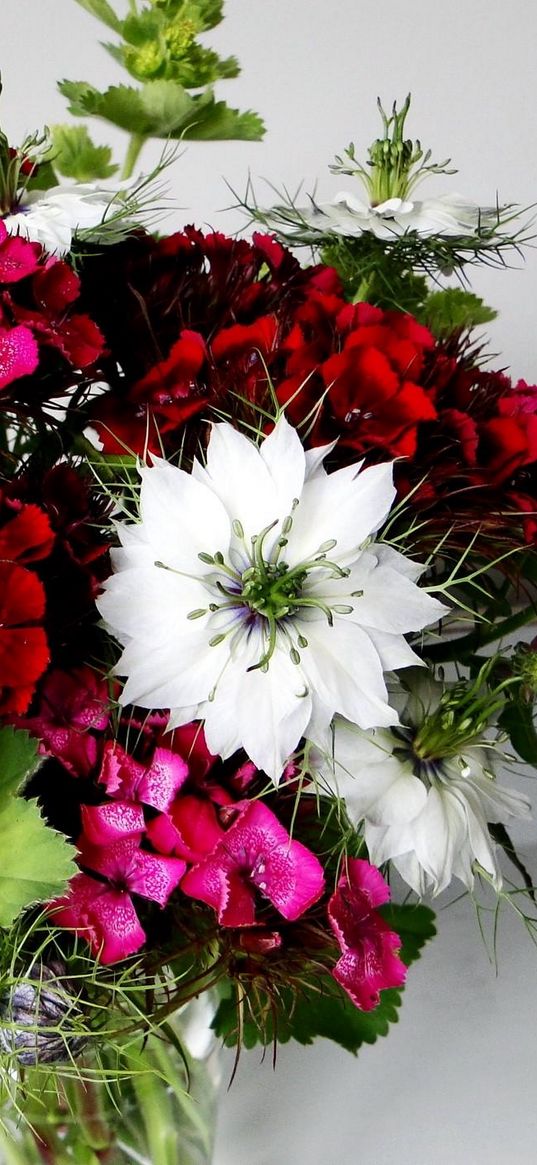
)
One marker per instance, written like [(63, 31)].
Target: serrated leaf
[(103, 12), (76, 155), (18, 760), (36, 861), (141, 28), (454, 310), (415, 925), (162, 109), (518, 722), (43, 178), (216, 121), (328, 1013), (154, 110)]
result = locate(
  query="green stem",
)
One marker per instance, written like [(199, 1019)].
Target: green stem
[(468, 644), (136, 143)]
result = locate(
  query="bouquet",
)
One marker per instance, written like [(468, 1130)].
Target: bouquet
[(267, 572)]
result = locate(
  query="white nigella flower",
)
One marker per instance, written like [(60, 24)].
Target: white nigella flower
[(425, 792), (448, 215), (52, 217), (250, 595)]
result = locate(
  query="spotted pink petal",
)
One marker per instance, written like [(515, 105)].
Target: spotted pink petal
[(190, 829), (117, 931), (71, 909), (162, 780), (116, 860), (104, 917), (155, 784), (19, 354), (110, 822), (18, 258), (155, 877), (369, 962), (130, 868), (256, 854), (229, 893)]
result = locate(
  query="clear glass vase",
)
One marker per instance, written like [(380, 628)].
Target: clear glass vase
[(154, 1105)]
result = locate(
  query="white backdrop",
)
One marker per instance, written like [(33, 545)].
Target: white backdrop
[(455, 1082)]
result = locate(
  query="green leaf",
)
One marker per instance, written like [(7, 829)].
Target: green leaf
[(155, 110), (76, 156), (18, 760), (161, 109), (455, 310), (415, 925), (216, 121), (36, 861), (517, 720), (43, 177), (103, 12)]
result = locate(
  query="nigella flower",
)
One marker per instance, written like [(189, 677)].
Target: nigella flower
[(449, 215), (426, 791), (52, 217), (250, 595)]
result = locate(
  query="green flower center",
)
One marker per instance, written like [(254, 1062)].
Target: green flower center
[(273, 590)]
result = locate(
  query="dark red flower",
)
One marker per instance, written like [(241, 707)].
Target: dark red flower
[(24, 652), (186, 319)]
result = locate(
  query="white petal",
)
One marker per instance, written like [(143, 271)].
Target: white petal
[(315, 458), (344, 671), (181, 518), (343, 506), (238, 476), (270, 709), (439, 831), (283, 454)]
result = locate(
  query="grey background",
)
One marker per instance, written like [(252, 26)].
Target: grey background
[(455, 1083)]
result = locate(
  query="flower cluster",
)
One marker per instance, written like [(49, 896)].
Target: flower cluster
[(241, 517)]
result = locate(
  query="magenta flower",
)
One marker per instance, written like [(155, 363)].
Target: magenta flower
[(19, 355), (73, 705), (369, 962), (155, 784), (105, 917), (255, 860), (102, 912), (110, 822), (18, 257), (190, 830)]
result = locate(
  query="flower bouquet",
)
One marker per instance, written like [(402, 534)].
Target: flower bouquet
[(267, 556)]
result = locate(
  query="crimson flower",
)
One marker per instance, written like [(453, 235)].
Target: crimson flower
[(184, 318), (256, 860), (25, 537), (369, 962)]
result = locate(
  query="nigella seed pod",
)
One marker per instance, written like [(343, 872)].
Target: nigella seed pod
[(36, 1018)]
